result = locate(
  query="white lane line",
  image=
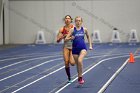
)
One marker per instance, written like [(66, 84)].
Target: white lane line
[(37, 80), (88, 71), (33, 68), (45, 77), (29, 55), (17, 57), (29, 69), (104, 87), (6, 59), (92, 57), (32, 77), (34, 59), (26, 61), (89, 57), (112, 77)]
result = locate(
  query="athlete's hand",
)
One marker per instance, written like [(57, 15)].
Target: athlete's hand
[(60, 38), (72, 37)]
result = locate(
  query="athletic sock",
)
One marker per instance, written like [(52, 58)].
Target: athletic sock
[(68, 72)]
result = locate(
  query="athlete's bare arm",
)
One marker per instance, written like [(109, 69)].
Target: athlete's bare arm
[(88, 38), (69, 36), (60, 35)]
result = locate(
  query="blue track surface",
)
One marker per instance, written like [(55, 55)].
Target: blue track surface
[(40, 69)]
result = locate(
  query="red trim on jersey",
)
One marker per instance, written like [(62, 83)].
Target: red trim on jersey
[(64, 31)]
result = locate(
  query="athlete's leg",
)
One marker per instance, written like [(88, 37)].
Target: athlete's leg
[(75, 56), (80, 62), (66, 59), (80, 65), (71, 60)]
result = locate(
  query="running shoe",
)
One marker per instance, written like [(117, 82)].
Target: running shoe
[(81, 80), (69, 81)]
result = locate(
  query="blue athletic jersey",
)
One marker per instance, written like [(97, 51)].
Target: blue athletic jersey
[(79, 41)]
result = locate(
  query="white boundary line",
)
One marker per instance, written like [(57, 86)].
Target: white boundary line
[(29, 54), (113, 77), (17, 57), (104, 87), (26, 61), (34, 59), (62, 68), (33, 68), (43, 77), (11, 86), (37, 80), (88, 71), (29, 69)]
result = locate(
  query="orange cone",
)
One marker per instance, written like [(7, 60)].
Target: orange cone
[(131, 59)]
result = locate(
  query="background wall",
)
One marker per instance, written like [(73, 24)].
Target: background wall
[(1, 32), (4, 26), (26, 17)]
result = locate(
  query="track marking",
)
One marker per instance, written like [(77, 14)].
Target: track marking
[(17, 57), (43, 77), (37, 80), (31, 77), (29, 69), (88, 71), (113, 77), (26, 61), (104, 87)]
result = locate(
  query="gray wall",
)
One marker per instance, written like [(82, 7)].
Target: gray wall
[(28, 17), (1, 34), (5, 6), (0, 8)]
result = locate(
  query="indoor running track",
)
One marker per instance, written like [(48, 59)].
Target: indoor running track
[(40, 69)]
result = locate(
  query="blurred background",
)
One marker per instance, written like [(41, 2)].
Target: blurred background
[(21, 20)]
